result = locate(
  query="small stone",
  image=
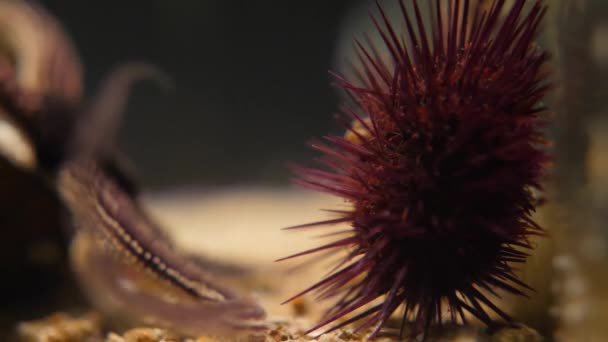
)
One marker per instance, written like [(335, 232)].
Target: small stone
[(147, 335), (299, 306), (347, 335), (60, 327)]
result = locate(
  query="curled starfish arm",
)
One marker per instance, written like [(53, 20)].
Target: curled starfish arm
[(95, 131)]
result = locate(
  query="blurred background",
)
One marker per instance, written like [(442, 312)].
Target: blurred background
[(251, 82)]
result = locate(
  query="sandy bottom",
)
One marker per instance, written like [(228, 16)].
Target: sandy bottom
[(244, 227)]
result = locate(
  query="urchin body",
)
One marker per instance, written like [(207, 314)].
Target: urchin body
[(439, 165)]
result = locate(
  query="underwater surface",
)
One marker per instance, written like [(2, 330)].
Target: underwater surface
[(60, 284)]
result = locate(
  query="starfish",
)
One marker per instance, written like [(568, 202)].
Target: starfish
[(117, 250)]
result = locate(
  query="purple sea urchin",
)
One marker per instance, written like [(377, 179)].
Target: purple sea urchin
[(439, 165)]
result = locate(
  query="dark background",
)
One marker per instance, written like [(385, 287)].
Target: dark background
[(251, 77)]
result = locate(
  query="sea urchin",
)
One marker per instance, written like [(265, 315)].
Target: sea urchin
[(439, 164)]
